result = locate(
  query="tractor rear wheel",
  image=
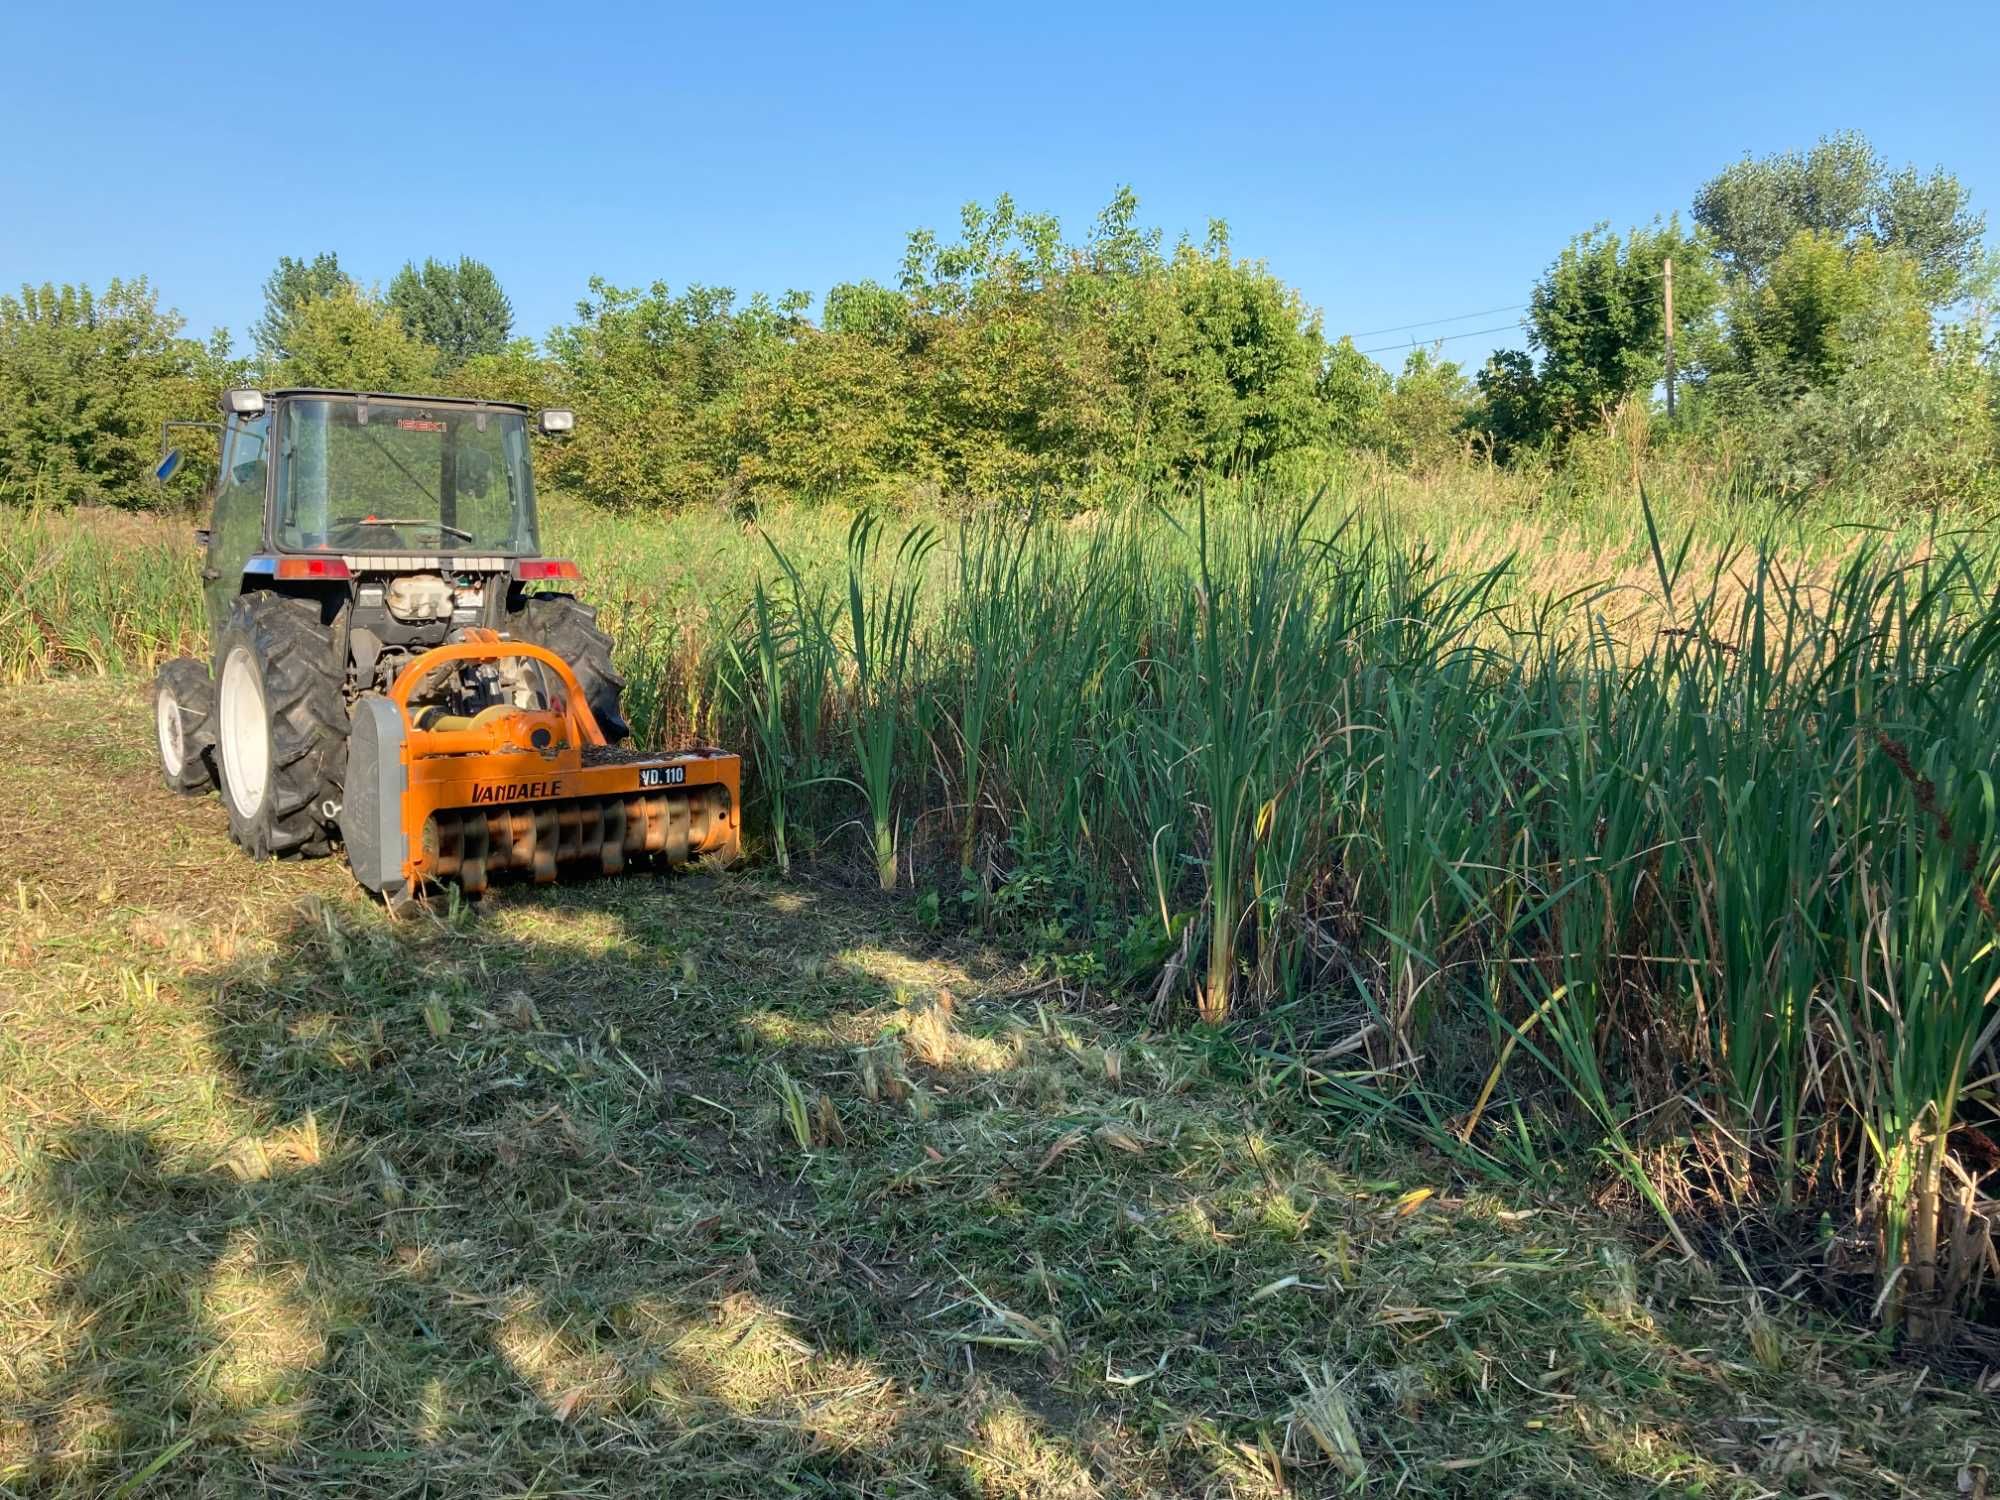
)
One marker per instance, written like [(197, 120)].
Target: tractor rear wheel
[(568, 627), (280, 726), (183, 714)]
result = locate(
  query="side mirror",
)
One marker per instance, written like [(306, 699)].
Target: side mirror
[(168, 465), (555, 419)]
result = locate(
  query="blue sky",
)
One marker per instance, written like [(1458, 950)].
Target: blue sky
[(1394, 163)]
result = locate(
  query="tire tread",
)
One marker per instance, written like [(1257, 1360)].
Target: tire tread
[(568, 627), (303, 677)]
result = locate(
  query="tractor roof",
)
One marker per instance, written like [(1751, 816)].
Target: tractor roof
[(473, 401)]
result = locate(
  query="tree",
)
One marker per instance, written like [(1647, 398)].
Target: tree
[(1820, 305), (1839, 374), (1597, 319), (1004, 361), (350, 340), (869, 309), (1842, 189), (1511, 414), (459, 310), (828, 420), (86, 379), (1011, 387), (661, 373), (1424, 414), (1251, 357), (288, 289), (1000, 251), (1354, 391), (516, 373), (1013, 394)]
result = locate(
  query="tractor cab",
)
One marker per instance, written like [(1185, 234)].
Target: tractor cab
[(328, 485)]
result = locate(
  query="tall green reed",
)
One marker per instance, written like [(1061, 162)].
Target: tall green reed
[(103, 595), (881, 642)]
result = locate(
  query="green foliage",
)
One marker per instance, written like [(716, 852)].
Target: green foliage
[(1831, 366), (827, 419), (86, 379), (1513, 413), (1597, 321), (351, 340), (869, 309), (1423, 414), (1003, 362), (1012, 378), (660, 376), (1248, 377), (289, 288), (1838, 373), (1842, 189), (1821, 306), (517, 372), (1009, 362), (459, 310), (1352, 389)]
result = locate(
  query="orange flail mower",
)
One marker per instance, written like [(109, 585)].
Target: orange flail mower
[(433, 795)]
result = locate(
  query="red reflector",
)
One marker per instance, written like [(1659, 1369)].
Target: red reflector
[(312, 567), (529, 569)]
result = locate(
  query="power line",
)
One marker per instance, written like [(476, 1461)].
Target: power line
[(1441, 339), (1484, 312), (1444, 338)]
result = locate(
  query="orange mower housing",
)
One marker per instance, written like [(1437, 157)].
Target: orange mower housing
[(430, 796)]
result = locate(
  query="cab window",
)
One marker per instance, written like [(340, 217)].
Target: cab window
[(238, 527), (246, 464)]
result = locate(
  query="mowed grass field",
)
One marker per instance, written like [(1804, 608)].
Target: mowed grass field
[(717, 1184)]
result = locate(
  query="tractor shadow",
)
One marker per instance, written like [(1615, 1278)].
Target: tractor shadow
[(524, 1206)]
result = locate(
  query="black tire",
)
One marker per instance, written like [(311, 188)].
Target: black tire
[(568, 627), (183, 719), (292, 721)]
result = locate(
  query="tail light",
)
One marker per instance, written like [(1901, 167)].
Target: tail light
[(315, 568), (534, 569)]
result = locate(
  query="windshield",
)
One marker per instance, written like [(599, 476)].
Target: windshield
[(412, 478)]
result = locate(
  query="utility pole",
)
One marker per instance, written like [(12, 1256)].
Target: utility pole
[(1668, 278)]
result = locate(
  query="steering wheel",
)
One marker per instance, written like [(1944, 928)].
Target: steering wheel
[(364, 530), (351, 525)]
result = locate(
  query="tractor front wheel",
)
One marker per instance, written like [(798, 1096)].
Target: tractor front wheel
[(281, 726), (183, 714)]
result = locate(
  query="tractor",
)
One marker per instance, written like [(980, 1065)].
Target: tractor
[(389, 673)]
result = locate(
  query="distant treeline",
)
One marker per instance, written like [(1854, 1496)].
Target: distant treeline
[(1831, 317)]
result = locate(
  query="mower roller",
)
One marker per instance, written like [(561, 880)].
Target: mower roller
[(385, 677)]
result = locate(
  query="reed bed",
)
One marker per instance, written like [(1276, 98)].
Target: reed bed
[(1709, 893), (93, 596)]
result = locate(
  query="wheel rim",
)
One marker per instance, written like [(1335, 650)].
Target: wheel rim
[(173, 743), (246, 734)]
